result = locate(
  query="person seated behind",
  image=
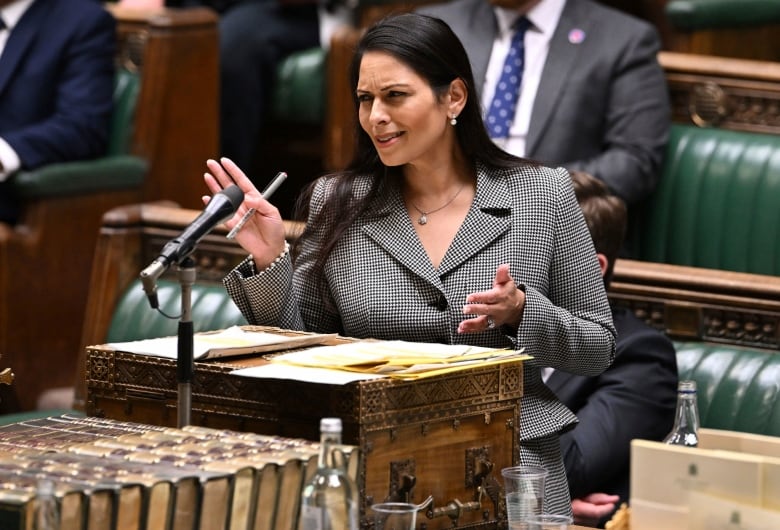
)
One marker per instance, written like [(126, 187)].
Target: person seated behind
[(255, 36), (634, 398), (56, 86), (434, 234), (593, 96)]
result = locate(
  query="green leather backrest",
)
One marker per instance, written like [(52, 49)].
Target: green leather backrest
[(134, 319), (299, 93), (691, 15), (126, 87), (738, 388), (717, 204)]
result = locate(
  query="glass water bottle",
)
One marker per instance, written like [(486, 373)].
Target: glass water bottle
[(46, 511), (686, 417), (330, 499)]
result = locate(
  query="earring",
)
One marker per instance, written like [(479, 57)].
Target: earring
[(453, 120)]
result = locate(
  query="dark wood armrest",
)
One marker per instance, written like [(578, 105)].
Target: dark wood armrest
[(698, 303)]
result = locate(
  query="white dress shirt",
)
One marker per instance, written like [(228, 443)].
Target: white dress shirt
[(544, 19), (10, 15)]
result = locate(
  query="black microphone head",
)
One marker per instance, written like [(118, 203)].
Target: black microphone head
[(234, 195)]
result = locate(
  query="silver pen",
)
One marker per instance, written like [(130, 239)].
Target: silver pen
[(267, 192)]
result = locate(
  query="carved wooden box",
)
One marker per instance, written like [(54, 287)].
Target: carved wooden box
[(445, 437)]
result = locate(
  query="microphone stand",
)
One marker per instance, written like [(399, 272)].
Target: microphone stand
[(185, 365)]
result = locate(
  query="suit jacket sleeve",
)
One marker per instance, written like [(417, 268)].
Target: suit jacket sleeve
[(566, 322), (634, 398), (83, 79), (279, 297), (636, 121)]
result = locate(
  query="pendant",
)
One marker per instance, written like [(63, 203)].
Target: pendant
[(423, 219)]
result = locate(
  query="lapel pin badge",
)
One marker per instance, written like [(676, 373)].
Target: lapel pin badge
[(576, 36)]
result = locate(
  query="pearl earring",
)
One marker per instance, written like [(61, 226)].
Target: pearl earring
[(453, 120)]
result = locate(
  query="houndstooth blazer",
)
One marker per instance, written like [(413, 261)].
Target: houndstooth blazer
[(381, 283)]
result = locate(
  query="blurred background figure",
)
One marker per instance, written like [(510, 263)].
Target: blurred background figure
[(56, 85), (634, 398), (255, 36), (592, 95)]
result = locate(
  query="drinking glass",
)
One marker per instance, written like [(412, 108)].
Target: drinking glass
[(548, 521), (524, 487), (394, 516)]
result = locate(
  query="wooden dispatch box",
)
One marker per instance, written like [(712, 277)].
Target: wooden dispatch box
[(443, 436)]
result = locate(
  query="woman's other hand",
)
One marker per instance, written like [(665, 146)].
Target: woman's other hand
[(502, 305)]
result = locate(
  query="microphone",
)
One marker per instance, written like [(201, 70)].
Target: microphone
[(221, 206)]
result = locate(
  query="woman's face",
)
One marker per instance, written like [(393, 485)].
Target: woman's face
[(400, 112)]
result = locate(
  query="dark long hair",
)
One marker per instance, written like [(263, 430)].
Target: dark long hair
[(428, 46)]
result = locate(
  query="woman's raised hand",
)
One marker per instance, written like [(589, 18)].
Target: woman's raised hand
[(263, 234)]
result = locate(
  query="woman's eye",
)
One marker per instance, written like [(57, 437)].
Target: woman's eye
[(395, 94), (363, 98)]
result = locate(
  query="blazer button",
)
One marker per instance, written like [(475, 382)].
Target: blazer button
[(441, 303)]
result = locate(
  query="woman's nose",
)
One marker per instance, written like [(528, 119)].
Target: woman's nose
[(378, 113)]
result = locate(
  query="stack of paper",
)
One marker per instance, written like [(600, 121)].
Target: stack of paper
[(372, 359)]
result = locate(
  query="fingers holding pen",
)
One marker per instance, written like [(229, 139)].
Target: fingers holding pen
[(224, 173), (257, 224)]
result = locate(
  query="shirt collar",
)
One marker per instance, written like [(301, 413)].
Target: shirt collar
[(14, 11), (543, 16)]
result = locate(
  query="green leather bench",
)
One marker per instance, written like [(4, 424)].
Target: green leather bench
[(211, 309), (691, 15), (717, 204), (738, 388), (716, 209), (299, 91)]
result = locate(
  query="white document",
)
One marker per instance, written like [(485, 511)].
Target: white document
[(225, 343)]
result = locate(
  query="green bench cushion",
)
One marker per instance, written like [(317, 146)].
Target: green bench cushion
[(81, 177), (716, 205), (691, 15), (299, 91), (134, 319), (738, 388)]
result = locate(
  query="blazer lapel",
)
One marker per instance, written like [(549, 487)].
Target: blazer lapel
[(555, 73), (393, 231), (487, 220), (21, 38)]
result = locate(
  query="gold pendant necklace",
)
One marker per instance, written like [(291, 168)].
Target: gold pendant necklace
[(423, 219)]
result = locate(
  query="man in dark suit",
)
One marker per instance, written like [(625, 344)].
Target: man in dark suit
[(593, 96), (56, 85), (634, 398)]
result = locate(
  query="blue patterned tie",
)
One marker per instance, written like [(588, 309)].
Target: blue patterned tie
[(501, 113)]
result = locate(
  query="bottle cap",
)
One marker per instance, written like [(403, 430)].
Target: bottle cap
[(330, 425), (687, 386), (45, 487)]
